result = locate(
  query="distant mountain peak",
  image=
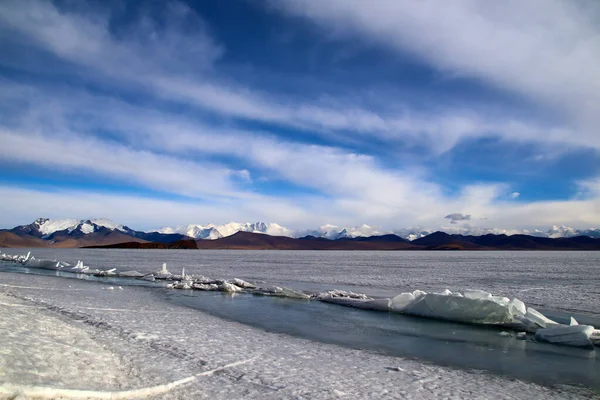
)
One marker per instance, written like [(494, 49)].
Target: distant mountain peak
[(212, 231), (46, 228)]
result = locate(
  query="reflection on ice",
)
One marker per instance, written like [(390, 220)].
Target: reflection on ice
[(470, 306)]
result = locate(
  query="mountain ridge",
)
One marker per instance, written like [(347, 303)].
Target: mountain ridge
[(436, 241), (44, 232)]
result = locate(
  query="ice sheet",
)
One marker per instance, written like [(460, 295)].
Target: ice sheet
[(472, 306), (156, 343)]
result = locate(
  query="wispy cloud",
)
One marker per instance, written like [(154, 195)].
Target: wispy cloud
[(166, 118), (546, 50), (180, 66)]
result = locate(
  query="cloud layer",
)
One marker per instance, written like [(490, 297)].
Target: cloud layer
[(152, 108)]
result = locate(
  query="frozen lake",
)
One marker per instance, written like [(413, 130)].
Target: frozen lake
[(558, 280), (559, 283)]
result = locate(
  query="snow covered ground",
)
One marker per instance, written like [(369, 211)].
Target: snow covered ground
[(75, 335)]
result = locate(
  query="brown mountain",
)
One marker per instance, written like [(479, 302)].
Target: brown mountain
[(101, 238), (259, 241), (444, 241), (108, 237), (9, 239), (104, 237), (180, 245)]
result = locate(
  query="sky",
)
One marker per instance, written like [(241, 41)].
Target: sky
[(395, 113)]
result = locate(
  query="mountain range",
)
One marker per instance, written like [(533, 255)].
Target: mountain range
[(44, 232)]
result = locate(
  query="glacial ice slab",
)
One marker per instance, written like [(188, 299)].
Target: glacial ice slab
[(477, 310), (567, 335)]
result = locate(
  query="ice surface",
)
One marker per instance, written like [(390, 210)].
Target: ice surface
[(471, 306), (136, 341)]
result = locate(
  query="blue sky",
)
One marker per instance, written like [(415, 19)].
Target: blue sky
[(393, 114)]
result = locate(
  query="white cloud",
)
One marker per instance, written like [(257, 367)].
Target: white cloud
[(515, 195), (21, 205), (350, 188), (546, 50), (151, 60), (57, 128), (80, 156)]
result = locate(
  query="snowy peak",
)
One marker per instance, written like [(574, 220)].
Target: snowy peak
[(561, 231), (44, 227), (211, 231), (335, 232)]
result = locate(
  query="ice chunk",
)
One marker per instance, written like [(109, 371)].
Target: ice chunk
[(205, 286), (343, 294), (108, 272), (400, 302), (281, 292), (595, 337), (477, 295), (182, 285), (478, 309), (366, 304), (575, 335), (501, 300), (378, 304), (521, 335), (130, 274), (517, 307), (229, 287), (538, 318), (243, 284), (163, 273)]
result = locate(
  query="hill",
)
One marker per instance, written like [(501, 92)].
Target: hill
[(259, 241), (10, 239), (189, 244)]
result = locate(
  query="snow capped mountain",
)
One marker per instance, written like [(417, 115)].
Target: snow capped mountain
[(561, 231), (107, 223), (412, 233), (44, 227), (196, 231), (48, 227), (335, 232), (567, 231), (212, 231)]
